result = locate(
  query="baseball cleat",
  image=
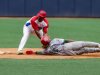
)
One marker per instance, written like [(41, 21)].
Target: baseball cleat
[(20, 53)]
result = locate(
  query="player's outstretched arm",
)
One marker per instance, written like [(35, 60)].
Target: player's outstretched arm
[(40, 53), (43, 53)]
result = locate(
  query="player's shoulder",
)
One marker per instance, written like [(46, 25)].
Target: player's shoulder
[(34, 18), (45, 20), (58, 40)]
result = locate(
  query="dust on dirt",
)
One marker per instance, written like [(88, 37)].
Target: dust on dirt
[(13, 55)]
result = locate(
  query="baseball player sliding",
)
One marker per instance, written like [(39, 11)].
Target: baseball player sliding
[(37, 24), (60, 46)]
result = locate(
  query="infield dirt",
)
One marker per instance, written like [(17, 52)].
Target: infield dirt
[(13, 55)]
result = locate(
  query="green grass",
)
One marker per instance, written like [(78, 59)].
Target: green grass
[(67, 28), (50, 67)]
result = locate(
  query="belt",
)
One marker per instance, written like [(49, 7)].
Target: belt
[(27, 24)]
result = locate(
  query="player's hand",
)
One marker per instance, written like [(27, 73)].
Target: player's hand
[(44, 46)]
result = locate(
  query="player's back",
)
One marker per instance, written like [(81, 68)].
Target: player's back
[(57, 41), (55, 46)]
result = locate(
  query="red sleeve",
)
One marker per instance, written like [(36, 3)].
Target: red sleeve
[(45, 29), (34, 25)]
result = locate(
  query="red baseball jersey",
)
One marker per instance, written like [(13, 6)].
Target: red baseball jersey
[(39, 25)]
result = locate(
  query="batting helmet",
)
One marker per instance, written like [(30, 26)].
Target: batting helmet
[(42, 13), (45, 40)]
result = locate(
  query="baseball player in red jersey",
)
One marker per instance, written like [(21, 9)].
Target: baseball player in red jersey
[(37, 24)]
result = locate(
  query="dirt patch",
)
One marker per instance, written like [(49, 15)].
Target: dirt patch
[(13, 55)]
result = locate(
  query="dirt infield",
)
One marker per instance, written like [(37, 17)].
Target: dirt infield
[(13, 55)]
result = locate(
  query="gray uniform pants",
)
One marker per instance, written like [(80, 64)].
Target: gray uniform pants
[(79, 47)]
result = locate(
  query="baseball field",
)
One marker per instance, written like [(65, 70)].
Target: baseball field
[(87, 29)]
